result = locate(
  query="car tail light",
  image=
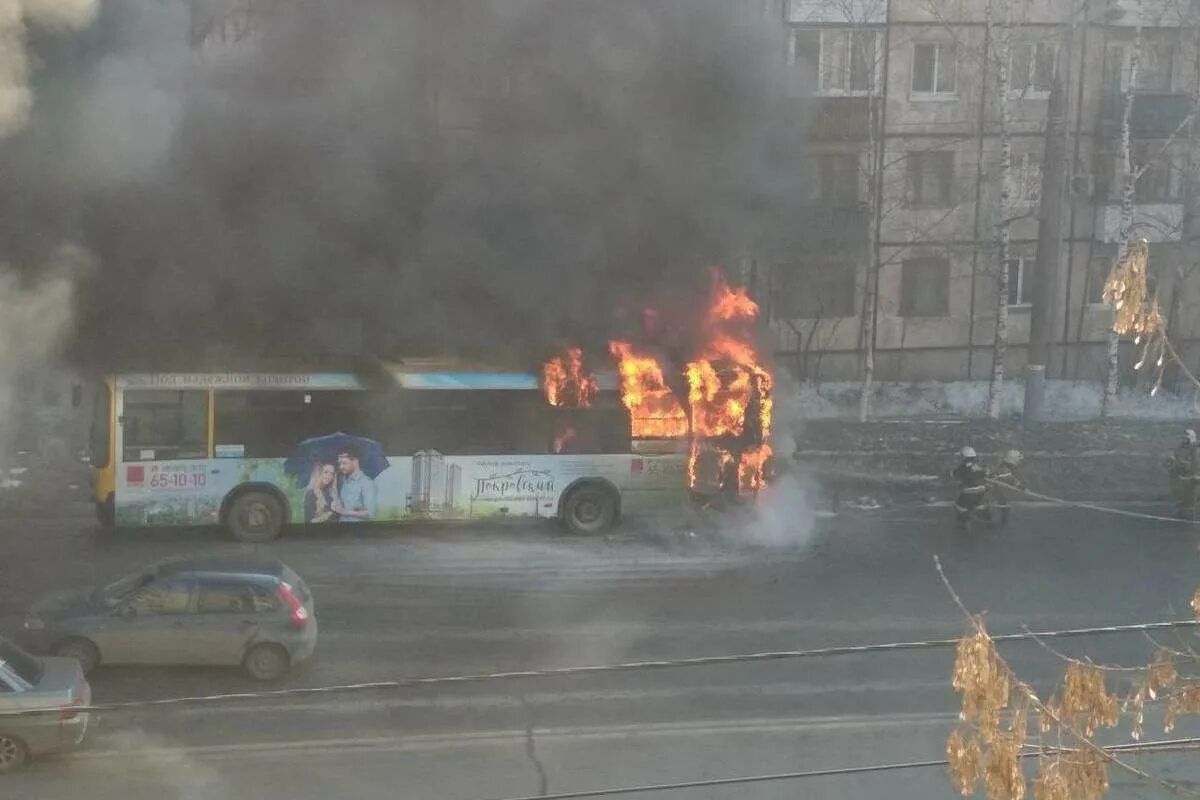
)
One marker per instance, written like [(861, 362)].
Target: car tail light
[(296, 611), (72, 711)]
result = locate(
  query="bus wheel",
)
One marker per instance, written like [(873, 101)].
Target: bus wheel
[(590, 509), (255, 517)]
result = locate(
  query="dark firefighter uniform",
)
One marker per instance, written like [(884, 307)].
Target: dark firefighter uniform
[(972, 486), (1007, 483)]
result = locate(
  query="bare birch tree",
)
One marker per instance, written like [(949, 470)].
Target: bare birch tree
[(1125, 221), (1001, 50)]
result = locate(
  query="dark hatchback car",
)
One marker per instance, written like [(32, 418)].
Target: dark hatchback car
[(204, 611)]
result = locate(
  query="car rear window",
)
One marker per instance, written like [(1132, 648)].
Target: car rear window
[(229, 597), (26, 666)]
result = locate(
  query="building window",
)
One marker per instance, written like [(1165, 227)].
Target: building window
[(1098, 268), (925, 287), (839, 61), (1161, 174), (819, 290), (1155, 69), (834, 180), (1019, 281), (934, 69), (1027, 179), (930, 178), (1032, 68)]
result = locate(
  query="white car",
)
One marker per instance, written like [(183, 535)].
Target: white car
[(39, 702)]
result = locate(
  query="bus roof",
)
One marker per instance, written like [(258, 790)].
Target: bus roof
[(425, 374), (435, 374), (315, 381)]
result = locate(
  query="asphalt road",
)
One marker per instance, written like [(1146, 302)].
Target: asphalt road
[(429, 602)]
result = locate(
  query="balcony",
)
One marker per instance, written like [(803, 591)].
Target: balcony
[(840, 118), (849, 12), (1154, 222), (1155, 116), (1161, 13)]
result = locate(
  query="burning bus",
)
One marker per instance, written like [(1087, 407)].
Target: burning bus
[(254, 451)]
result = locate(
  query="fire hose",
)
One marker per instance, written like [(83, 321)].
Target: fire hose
[(1091, 506)]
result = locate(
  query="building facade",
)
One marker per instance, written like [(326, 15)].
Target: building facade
[(905, 141)]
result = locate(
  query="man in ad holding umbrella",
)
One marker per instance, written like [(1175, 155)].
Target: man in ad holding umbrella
[(357, 496)]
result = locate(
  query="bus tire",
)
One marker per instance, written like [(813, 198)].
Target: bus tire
[(590, 509), (255, 517)]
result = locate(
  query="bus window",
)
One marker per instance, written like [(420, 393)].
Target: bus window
[(98, 436), (266, 424), (598, 429), (164, 425)]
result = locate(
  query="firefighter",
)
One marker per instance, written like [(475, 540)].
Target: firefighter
[(972, 486), (1185, 471), (1006, 481)]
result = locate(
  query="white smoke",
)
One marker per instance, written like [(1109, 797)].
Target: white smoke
[(34, 317), (16, 98), (783, 513)]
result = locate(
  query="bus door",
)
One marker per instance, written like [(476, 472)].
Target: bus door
[(163, 452)]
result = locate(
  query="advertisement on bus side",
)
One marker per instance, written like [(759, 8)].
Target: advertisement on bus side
[(347, 479)]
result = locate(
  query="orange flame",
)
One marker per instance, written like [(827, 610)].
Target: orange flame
[(729, 395), (727, 384), (730, 303), (566, 383), (752, 469), (653, 409)]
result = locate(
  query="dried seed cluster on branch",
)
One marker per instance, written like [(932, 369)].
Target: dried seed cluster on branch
[(1185, 700), (982, 678), (1127, 293), (983, 750), (1077, 775), (1160, 675), (1083, 699)]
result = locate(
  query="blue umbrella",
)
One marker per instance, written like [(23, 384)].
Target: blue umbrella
[(326, 448)]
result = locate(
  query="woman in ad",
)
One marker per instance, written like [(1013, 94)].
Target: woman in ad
[(321, 494)]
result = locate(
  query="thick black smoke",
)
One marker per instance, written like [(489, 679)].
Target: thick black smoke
[(387, 176)]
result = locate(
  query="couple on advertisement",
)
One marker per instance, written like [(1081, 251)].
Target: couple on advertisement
[(340, 491)]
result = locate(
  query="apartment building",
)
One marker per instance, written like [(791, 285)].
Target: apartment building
[(905, 141)]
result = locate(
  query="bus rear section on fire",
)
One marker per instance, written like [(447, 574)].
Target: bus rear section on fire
[(254, 451)]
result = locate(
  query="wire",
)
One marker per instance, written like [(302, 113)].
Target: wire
[(1166, 745), (631, 666)]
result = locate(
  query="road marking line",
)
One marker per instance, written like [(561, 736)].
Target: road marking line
[(518, 736)]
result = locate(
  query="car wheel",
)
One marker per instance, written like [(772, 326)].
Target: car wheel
[(13, 753), (266, 662), (590, 509), (83, 651), (255, 517)]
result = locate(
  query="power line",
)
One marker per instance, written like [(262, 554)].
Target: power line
[(632, 666), (1165, 745)]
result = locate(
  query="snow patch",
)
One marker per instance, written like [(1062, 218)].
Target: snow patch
[(1065, 400)]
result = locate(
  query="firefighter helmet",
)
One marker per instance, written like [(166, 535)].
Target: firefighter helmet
[(968, 452)]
